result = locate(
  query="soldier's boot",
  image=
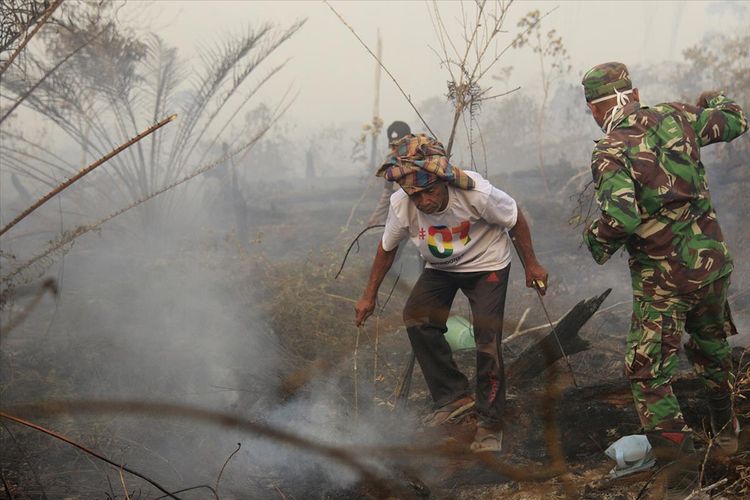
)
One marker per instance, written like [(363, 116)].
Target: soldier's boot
[(724, 423), (676, 456)]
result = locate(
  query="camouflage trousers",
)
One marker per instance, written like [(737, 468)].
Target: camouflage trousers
[(654, 341)]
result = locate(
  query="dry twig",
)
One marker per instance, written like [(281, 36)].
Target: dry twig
[(122, 482), (355, 241), (356, 352), (218, 478)]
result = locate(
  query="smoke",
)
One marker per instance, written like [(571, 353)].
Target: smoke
[(178, 318)]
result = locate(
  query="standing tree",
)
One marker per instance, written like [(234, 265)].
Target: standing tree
[(554, 63)]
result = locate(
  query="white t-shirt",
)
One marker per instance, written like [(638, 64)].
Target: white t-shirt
[(468, 235)]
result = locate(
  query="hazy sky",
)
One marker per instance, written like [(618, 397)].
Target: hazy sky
[(335, 75)]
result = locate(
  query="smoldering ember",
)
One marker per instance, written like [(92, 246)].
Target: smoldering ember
[(233, 236)]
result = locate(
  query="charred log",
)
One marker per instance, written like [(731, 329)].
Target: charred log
[(543, 354)]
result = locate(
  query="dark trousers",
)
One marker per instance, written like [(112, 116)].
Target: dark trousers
[(425, 316)]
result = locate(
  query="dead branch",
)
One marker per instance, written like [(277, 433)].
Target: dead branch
[(406, 96), (390, 294), (218, 478), (344, 456), (85, 171), (356, 240), (515, 40), (702, 491), (122, 482), (86, 450), (50, 10), (503, 94)]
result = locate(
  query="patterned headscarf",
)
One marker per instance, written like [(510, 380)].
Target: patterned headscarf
[(417, 161)]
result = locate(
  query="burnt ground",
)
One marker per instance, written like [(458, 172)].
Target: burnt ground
[(282, 279)]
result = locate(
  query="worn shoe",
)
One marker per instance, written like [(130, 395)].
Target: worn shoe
[(676, 455), (450, 413), (487, 440), (724, 423), (727, 437)]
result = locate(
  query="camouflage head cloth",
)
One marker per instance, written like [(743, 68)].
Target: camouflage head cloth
[(417, 161), (603, 79)]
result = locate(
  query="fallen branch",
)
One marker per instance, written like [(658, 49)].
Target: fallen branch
[(85, 171), (706, 489), (563, 338)]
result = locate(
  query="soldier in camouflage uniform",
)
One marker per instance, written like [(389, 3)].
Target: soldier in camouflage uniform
[(653, 194)]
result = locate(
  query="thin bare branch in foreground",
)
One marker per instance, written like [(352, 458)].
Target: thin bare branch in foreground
[(88, 451), (85, 171), (349, 456), (165, 410)]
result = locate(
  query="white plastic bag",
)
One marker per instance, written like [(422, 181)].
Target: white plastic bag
[(632, 454)]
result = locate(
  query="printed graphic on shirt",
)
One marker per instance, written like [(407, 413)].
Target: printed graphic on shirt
[(441, 238)]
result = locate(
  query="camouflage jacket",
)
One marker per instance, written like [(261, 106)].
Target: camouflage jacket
[(653, 194)]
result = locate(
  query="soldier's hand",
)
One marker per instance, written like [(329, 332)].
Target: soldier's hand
[(363, 309), (705, 97), (536, 277)]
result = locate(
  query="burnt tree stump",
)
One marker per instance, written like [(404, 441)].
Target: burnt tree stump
[(544, 353)]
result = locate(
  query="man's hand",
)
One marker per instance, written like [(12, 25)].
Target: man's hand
[(536, 277), (706, 96), (366, 305), (363, 309)]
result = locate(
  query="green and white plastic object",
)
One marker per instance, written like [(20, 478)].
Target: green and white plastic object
[(460, 334)]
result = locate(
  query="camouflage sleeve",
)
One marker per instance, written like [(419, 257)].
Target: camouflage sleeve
[(722, 121), (615, 194)]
